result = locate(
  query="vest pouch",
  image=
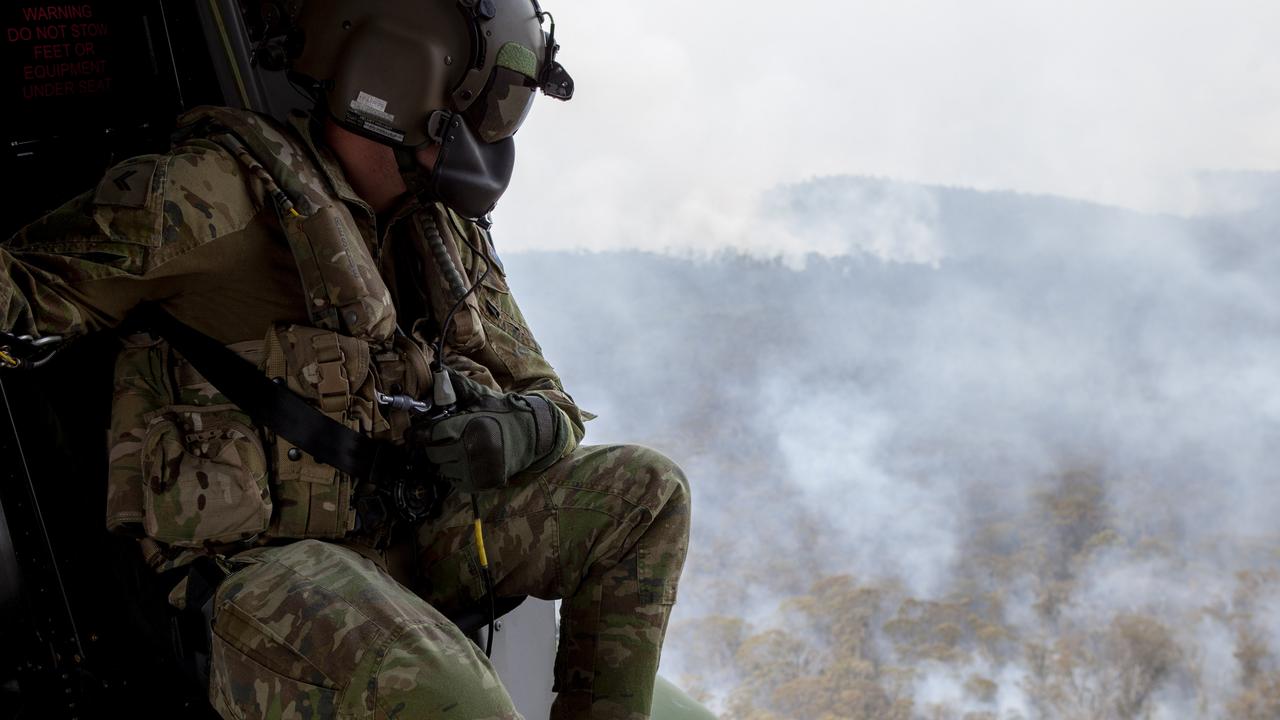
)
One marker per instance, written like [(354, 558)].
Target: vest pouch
[(140, 390), (204, 475), (331, 371)]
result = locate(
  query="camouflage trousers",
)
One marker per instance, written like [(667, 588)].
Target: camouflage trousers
[(314, 630)]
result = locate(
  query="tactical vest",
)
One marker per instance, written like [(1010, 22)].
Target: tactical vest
[(187, 468)]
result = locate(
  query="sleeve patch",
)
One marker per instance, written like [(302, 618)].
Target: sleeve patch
[(128, 184)]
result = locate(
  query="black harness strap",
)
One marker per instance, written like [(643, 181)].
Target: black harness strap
[(271, 404)]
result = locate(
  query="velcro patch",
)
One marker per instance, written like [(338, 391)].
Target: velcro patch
[(128, 184)]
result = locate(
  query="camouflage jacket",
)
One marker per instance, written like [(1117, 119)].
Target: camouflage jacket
[(248, 232)]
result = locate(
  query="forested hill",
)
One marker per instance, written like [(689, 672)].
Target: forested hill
[(989, 453)]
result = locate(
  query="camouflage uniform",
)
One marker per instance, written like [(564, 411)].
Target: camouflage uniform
[(318, 619)]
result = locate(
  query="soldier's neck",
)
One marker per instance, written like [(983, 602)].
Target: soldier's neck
[(370, 167)]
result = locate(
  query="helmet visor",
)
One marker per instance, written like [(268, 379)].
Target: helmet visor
[(500, 110)]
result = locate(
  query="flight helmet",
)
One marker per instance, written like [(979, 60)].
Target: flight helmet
[(407, 73)]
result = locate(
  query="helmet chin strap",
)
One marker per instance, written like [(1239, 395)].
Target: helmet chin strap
[(416, 177), (469, 175)]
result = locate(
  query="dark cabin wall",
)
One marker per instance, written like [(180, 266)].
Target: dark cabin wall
[(84, 86), (87, 84)]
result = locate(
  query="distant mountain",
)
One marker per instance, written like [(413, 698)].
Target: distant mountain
[(967, 220), (1065, 408)]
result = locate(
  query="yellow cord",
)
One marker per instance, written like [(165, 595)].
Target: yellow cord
[(9, 360), (484, 559), (294, 212)]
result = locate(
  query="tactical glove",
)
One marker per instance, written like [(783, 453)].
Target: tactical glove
[(490, 436)]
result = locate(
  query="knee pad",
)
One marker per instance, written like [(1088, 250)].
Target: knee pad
[(665, 478)]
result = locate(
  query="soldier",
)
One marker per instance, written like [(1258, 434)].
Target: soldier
[(345, 255)]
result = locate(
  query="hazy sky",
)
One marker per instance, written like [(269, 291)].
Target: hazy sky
[(687, 112)]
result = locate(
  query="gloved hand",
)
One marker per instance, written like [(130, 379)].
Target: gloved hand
[(490, 436)]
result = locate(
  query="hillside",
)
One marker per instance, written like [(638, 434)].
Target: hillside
[(996, 456)]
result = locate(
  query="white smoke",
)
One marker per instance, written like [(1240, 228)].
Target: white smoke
[(686, 112), (951, 360), (937, 391)]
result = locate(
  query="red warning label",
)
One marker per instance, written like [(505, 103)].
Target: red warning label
[(59, 50)]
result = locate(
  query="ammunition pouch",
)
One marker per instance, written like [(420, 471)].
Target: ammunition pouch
[(331, 372), (205, 477), (196, 463)]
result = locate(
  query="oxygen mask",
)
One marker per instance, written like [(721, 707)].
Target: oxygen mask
[(469, 175)]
